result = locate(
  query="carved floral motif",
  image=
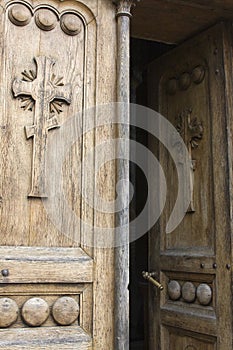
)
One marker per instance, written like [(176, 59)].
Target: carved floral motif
[(27, 102), (190, 128)]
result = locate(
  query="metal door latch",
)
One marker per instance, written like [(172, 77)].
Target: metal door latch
[(148, 277)]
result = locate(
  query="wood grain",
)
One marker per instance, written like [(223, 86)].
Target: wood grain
[(158, 19), (40, 265), (46, 259), (199, 249), (69, 339)]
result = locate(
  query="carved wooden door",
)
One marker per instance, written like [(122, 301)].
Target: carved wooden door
[(193, 262), (50, 294)]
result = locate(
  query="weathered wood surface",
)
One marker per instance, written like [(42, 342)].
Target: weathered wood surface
[(41, 265), (8, 312), (197, 254), (65, 311), (103, 286), (35, 311), (173, 21), (42, 258), (56, 338), (17, 296)]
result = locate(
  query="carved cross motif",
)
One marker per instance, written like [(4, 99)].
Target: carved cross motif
[(191, 131), (44, 92)]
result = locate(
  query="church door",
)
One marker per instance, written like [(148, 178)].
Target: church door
[(191, 87)]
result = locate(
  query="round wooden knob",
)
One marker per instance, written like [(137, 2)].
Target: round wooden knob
[(35, 311), (198, 74), (46, 19), (204, 294), (184, 81), (172, 86), (71, 24), (8, 312), (174, 290), (20, 15), (189, 292), (65, 311)]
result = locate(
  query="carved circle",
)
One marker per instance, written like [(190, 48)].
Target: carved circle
[(35, 311), (198, 74), (174, 290), (46, 19), (20, 15), (172, 86), (184, 81), (8, 312), (204, 294), (65, 311), (189, 292), (71, 24)]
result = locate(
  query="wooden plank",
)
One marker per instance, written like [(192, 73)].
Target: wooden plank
[(188, 264), (64, 338), (103, 287), (196, 321), (173, 21), (45, 265)]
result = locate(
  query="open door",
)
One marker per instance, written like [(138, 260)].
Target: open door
[(193, 263)]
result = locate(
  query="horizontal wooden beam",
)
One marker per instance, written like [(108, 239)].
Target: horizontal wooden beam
[(45, 265), (35, 339)]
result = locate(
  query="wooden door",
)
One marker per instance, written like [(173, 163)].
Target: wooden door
[(188, 87), (50, 293)]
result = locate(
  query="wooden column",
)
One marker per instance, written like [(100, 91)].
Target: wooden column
[(122, 217)]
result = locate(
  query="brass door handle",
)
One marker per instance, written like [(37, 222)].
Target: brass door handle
[(148, 277)]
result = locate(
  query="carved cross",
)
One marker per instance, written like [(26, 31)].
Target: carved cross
[(192, 131), (43, 91)]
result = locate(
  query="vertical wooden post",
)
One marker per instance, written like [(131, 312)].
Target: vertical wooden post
[(122, 217)]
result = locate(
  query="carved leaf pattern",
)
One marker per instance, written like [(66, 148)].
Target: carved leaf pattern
[(196, 132), (190, 128), (27, 102)]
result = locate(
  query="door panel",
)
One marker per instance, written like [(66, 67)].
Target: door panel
[(186, 341), (47, 72), (194, 311)]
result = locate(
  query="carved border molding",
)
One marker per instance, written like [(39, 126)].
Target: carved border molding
[(35, 311), (189, 292), (184, 80), (46, 19)]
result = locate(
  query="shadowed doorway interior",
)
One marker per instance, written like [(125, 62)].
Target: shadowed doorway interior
[(142, 53)]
